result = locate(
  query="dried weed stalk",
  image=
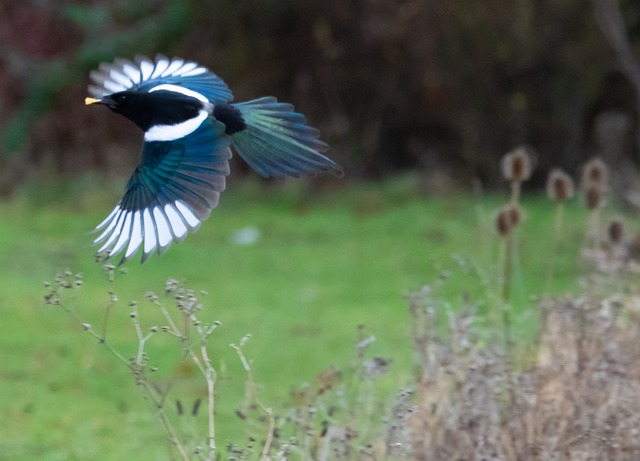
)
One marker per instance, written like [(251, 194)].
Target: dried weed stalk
[(517, 167), (594, 185), (577, 401), (560, 188), (182, 323)]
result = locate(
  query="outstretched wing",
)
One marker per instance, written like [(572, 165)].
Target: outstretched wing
[(145, 75), (174, 189)]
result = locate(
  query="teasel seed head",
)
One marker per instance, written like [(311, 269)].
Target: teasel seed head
[(507, 220), (560, 187), (503, 224), (593, 197), (517, 165), (615, 231), (595, 174), (514, 215)]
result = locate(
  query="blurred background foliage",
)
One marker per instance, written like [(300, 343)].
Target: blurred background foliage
[(440, 88)]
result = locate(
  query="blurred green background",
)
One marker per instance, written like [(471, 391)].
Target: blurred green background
[(418, 100)]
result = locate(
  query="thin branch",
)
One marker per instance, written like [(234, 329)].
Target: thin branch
[(254, 394)]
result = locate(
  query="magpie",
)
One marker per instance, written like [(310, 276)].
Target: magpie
[(190, 125)]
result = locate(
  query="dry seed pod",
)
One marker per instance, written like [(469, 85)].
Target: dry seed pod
[(503, 224), (560, 186), (517, 165), (615, 231), (595, 174), (514, 215), (507, 220), (593, 196)]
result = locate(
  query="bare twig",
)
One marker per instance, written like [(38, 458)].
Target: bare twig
[(253, 389)]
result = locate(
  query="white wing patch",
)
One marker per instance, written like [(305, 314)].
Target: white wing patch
[(108, 218), (179, 229), (150, 238), (196, 71), (173, 68), (181, 90), (120, 78), (124, 75), (161, 66), (146, 67), (153, 228), (132, 72), (112, 86), (164, 230), (177, 131), (188, 215), (136, 235)]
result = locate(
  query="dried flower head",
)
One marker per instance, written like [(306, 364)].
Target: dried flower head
[(503, 224), (560, 186), (514, 215), (593, 196), (507, 220), (517, 165), (615, 231), (595, 174)]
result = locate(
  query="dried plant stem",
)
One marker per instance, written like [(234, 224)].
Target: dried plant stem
[(206, 368), (593, 229), (89, 329), (253, 390), (515, 192), (137, 366), (196, 349), (211, 379), (111, 277), (506, 288), (557, 243), (209, 373), (142, 339), (509, 237), (203, 362), (172, 325), (107, 314), (158, 405)]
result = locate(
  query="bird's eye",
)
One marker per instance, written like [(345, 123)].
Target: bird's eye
[(120, 98)]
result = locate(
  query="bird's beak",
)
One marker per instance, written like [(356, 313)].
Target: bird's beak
[(88, 101)]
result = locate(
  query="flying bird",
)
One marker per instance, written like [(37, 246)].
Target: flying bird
[(190, 127)]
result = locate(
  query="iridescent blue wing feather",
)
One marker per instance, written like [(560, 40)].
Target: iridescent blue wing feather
[(278, 142), (173, 190), (146, 75)]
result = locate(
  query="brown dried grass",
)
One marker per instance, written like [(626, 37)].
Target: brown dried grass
[(578, 400)]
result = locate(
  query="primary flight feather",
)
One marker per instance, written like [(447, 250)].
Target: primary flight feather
[(190, 125)]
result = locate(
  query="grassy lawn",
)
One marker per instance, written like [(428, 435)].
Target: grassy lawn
[(323, 264)]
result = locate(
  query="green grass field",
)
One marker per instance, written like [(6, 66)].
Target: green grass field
[(323, 264)]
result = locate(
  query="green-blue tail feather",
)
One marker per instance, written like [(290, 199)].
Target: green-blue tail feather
[(277, 141)]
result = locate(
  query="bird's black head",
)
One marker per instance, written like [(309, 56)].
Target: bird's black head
[(151, 109)]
